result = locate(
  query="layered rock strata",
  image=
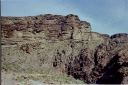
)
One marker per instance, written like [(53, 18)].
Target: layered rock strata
[(65, 44)]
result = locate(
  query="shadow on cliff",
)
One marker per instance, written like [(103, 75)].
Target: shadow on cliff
[(111, 75)]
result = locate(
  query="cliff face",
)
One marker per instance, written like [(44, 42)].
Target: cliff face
[(63, 43), (52, 26), (107, 64)]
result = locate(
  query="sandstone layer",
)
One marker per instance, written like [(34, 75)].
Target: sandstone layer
[(65, 44)]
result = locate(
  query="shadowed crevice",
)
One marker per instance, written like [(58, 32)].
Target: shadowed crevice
[(111, 75)]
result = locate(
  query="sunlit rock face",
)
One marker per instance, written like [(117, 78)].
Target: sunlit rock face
[(39, 40), (65, 44), (53, 26)]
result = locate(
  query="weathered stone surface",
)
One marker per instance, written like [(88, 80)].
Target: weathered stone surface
[(108, 63), (108, 60), (65, 44), (53, 26), (81, 66)]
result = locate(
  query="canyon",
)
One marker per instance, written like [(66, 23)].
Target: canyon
[(66, 45)]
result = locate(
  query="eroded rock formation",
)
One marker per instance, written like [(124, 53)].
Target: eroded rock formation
[(66, 44)]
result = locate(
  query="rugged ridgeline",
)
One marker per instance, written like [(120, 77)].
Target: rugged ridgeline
[(64, 44)]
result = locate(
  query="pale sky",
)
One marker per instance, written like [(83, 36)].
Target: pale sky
[(105, 16)]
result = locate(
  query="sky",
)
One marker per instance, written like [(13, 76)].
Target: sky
[(105, 16)]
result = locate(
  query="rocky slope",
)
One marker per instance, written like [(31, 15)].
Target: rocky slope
[(107, 64), (64, 44)]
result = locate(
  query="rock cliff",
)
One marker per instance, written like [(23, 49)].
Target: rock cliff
[(65, 44)]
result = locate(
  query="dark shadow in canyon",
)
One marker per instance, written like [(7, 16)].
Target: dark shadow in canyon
[(111, 74)]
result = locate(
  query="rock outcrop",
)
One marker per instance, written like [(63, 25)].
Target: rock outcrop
[(52, 26), (108, 64), (65, 44)]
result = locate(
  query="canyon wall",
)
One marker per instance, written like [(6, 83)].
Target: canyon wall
[(65, 44)]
